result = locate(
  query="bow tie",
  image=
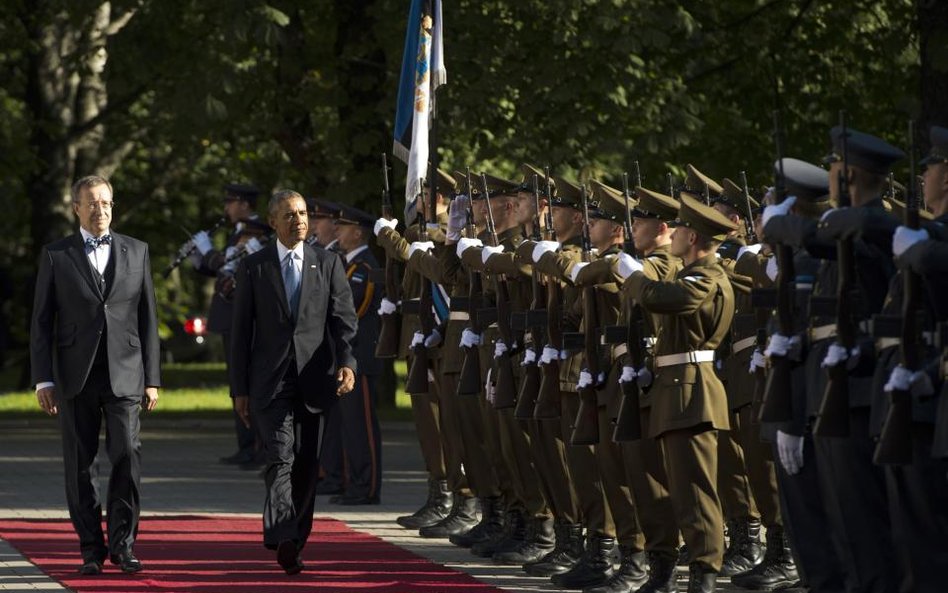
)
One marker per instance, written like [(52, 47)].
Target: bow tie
[(95, 243)]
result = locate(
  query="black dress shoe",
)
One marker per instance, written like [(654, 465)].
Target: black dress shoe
[(288, 556), (126, 561), (350, 500), (90, 567)]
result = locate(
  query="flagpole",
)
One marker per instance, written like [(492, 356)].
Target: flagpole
[(433, 157)]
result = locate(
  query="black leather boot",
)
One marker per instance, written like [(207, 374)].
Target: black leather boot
[(539, 541), (462, 518), (491, 524), (515, 529), (566, 553), (630, 576), (661, 575), (594, 568), (777, 571), (435, 508), (701, 579), (744, 551)]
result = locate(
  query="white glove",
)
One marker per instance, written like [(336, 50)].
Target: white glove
[(499, 348), (779, 345), (757, 361), (434, 339), (544, 247), (772, 269), (489, 387), (469, 339), (202, 241), (489, 251), (252, 245), (781, 209), (549, 354), (575, 271), (585, 379), (628, 265), (644, 377), (902, 379), (465, 242), (420, 245), (384, 223), (905, 237), (628, 375), (417, 339), (755, 249), (790, 451), (457, 217), (529, 357), (387, 307), (837, 354)]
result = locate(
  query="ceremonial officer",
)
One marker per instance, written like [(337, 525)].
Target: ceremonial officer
[(690, 406), (240, 202), (322, 215), (356, 411)]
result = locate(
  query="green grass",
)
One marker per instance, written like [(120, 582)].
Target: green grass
[(194, 389)]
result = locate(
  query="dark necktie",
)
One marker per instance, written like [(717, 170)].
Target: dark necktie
[(96, 242), (291, 282)]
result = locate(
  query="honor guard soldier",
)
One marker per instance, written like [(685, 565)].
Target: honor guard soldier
[(689, 405)]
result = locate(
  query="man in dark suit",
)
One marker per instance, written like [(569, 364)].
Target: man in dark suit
[(94, 353), (291, 358), (240, 204), (355, 415)]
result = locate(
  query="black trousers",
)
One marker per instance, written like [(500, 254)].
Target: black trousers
[(361, 437), (80, 419), (816, 549), (291, 442)]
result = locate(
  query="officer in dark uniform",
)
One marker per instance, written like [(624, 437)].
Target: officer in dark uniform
[(240, 202), (356, 410)]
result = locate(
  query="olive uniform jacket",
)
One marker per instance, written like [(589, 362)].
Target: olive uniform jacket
[(696, 310)]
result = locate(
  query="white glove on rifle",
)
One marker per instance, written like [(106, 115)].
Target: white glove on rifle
[(252, 245), (489, 251), (790, 452), (464, 243), (574, 273), (202, 242), (384, 223), (549, 355), (420, 245), (757, 361), (905, 237), (628, 265), (387, 307), (469, 339), (837, 354), (499, 348), (529, 357), (434, 339), (544, 247), (755, 249), (644, 377), (781, 209), (417, 339), (902, 379), (628, 375), (779, 345), (457, 217)]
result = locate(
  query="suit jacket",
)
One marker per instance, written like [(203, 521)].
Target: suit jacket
[(263, 330), (71, 314)]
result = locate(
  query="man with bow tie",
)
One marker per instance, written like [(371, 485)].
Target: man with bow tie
[(94, 354)]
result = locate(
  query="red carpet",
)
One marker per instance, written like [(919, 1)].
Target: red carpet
[(225, 555)]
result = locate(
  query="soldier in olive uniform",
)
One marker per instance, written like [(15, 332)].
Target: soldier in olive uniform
[(690, 405)]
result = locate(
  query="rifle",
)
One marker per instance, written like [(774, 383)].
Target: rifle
[(833, 419), (671, 184), (749, 221), (628, 424), (391, 324), (535, 320), (417, 382), (469, 383), (586, 424), (549, 400), (777, 403), (505, 391), (895, 441), (188, 248)]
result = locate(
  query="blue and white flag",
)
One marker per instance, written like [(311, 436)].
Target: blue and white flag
[(422, 73)]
